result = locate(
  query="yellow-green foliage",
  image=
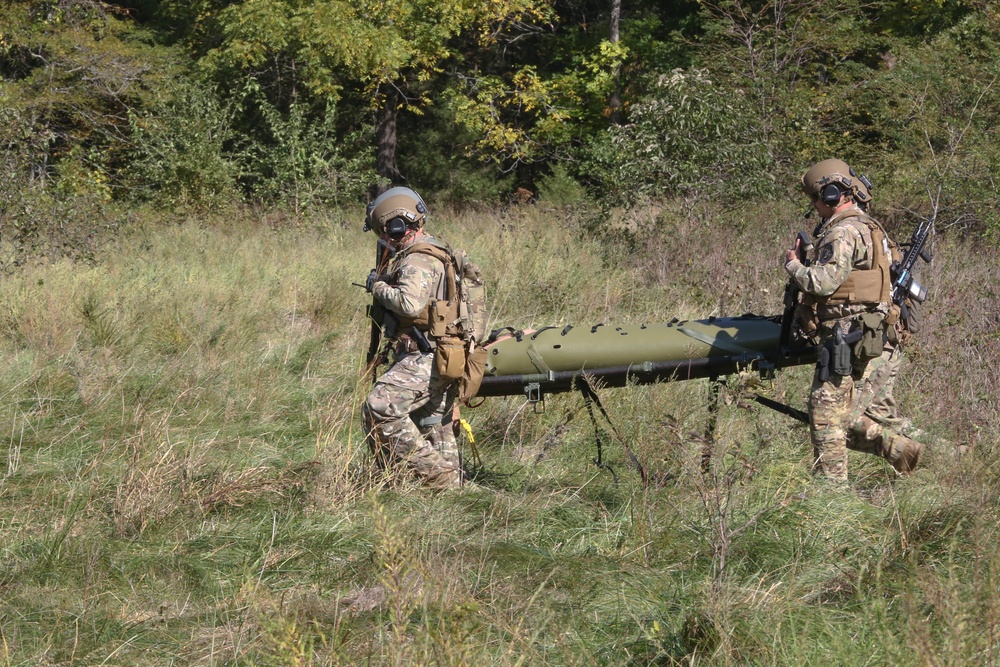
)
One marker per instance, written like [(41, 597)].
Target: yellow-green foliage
[(186, 480)]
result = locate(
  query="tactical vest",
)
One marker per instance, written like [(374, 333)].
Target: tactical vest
[(461, 311), (865, 286)]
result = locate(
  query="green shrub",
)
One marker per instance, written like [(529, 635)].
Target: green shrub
[(689, 137), (297, 158), (558, 188), (181, 152), (937, 111), (39, 224)]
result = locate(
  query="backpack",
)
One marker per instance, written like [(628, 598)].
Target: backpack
[(458, 322), (472, 313)]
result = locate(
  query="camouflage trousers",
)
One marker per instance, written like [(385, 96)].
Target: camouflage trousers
[(408, 416), (858, 412)]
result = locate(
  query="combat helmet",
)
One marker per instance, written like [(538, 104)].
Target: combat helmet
[(394, 211), (817, 181)]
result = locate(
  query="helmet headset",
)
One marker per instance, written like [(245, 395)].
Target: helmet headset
[(395, 229), (831, 194), (394, 212), (828, 180)]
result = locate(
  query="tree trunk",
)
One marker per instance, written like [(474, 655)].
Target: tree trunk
[(385, 140), (615, 104)]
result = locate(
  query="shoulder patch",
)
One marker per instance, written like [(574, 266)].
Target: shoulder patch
[(825, 254)]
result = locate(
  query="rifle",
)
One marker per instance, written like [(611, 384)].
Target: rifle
[(903, 285), (382, 320), (792, 298)]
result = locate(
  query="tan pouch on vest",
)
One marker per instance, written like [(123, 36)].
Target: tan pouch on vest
[(439, 315), (872, 341), (475, 368), (449, 358)]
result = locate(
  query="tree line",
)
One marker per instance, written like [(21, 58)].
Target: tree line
[(305, 104)]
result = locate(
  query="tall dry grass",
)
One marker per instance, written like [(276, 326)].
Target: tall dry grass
[(186, 480)]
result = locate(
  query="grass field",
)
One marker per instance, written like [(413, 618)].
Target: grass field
[(187, 483)]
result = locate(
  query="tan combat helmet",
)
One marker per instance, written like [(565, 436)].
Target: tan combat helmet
[(394, 211), (816, 182)]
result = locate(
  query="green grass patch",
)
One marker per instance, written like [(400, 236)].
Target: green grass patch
[(186, 481)]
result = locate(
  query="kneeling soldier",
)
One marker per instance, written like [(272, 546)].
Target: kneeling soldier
[(409, 410)]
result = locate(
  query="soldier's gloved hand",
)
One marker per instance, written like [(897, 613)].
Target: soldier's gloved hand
[(370, 283), (795, 252)]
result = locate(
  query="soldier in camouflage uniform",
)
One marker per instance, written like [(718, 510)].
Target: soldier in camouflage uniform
[(408, 412), (846, 287)]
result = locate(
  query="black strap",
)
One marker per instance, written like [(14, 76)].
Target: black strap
[(496, 333), (784, 409), (535, 334), (590, 397), (714, 396)]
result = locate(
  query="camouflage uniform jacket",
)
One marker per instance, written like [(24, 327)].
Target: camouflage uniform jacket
[(843, 244), (413, 281)]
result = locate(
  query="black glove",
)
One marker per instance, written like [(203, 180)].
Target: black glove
[(370, 283)]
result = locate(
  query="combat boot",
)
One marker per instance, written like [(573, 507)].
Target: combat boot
[(830, 461), (901, 452), (443, 478)]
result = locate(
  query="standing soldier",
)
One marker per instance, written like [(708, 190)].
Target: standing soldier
[(846, 304), (408, 413)]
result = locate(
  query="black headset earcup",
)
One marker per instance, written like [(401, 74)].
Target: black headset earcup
[(830, 194), (396, 228)]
